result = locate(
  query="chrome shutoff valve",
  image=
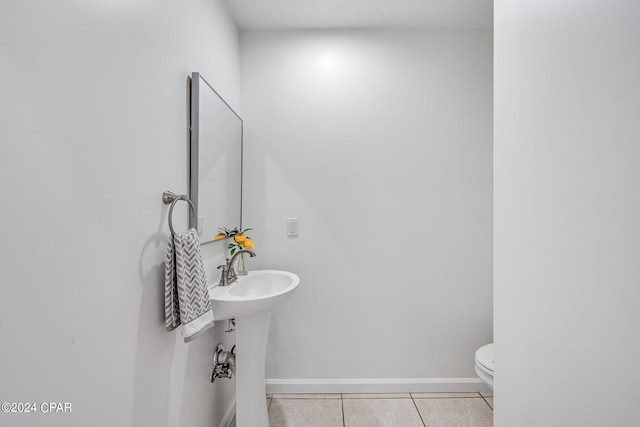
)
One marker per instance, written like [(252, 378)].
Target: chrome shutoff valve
[(223, 360)]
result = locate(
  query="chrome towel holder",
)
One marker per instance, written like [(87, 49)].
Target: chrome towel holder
[(171, 198)]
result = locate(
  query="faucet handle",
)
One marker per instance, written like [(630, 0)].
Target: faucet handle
[(223, 275)]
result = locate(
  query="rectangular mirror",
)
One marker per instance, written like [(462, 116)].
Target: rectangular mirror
[(215, 186)]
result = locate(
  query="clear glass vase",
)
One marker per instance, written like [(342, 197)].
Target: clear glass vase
[(242, 265)]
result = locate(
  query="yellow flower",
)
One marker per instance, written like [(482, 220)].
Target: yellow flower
[(248, 243), (240, 237), (219, 236)]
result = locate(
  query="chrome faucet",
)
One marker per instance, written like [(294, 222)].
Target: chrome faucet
[(228, 273)]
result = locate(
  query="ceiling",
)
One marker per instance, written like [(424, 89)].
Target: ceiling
[(376, 14)]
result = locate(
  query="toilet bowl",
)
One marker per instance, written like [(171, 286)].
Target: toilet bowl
[(484, 364)]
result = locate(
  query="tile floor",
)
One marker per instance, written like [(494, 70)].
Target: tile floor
[(381, 410)]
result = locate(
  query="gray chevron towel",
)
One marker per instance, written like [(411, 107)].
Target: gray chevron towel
[(186, 297)]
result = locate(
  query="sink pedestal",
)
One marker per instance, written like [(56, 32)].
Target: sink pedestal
[(250, 300), (251, 348)]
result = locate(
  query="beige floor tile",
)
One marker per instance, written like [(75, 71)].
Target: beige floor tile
[(489, 401), (380, 413), (376, 396), (459, 412), (441, 395), (306, 396), (305, 413), (487, 393)]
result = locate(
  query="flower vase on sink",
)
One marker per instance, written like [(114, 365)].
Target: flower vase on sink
[(240, 241), (241, 265)]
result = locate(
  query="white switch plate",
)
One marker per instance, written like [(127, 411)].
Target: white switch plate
[(292, 226)]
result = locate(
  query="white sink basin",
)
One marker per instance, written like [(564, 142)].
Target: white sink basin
[(258, 292)]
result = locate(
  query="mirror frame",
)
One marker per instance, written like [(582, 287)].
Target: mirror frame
[(194, 146)]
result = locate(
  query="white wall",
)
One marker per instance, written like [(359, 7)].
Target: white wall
[(380, 142), (93, 128), (567, 270)]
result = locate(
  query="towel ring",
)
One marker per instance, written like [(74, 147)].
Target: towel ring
[(171, 198)]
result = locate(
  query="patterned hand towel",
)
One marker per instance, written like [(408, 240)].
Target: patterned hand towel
[(186, 297)]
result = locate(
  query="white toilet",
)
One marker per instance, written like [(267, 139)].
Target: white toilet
[(484, 364)]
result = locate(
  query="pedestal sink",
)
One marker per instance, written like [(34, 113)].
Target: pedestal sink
[(250, 301)]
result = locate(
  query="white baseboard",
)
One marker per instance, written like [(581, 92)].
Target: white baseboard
[(385, 385), (229, 414)]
